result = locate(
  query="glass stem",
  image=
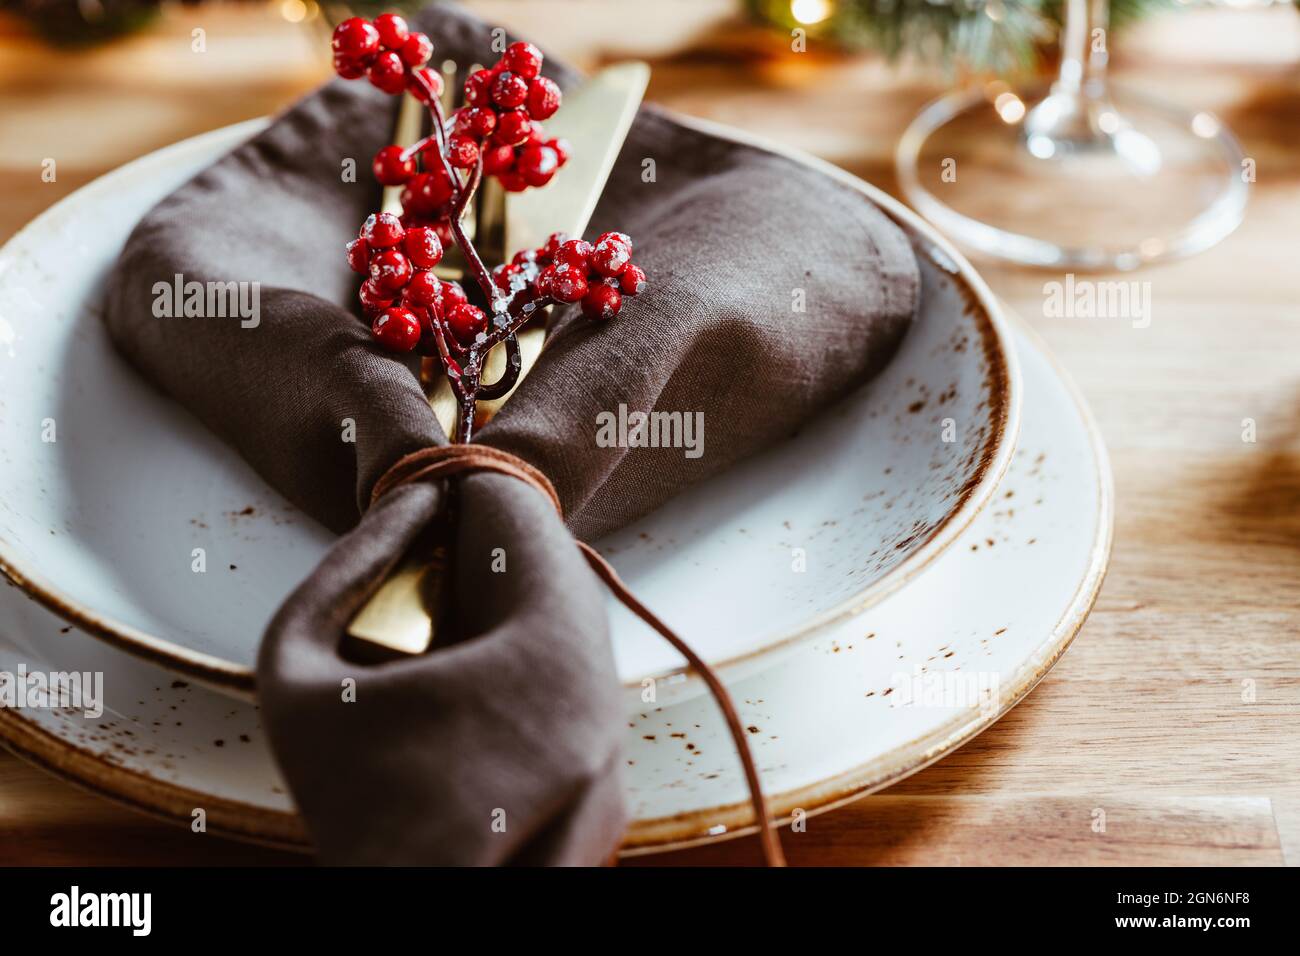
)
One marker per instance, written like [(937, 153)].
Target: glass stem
[(1084, 48)]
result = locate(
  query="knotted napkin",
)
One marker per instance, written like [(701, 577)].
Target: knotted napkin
[(773, 291)]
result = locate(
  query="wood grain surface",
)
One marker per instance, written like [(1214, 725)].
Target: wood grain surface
[(1175, 717)]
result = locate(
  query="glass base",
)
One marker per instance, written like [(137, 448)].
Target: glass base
[(1090, 181)]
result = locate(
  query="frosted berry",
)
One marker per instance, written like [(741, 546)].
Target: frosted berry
[(509, 91), (374, 299), (512, 128), (391, 168), (537, 164), (512, 182), (423, 247), (391, 270), (601, 302), (356, 39), (522, 58), (381, 230), (478, 88), (610, 257), (462, 151), (622, 238), (358, 256), (476, 121), (388, 73), (453, 295), (543, 98), (568, 284), (392, 30), (466, 322), (397, 329), (633, 280), (417, 50), (575, 253), (552, 245), (424, 290)]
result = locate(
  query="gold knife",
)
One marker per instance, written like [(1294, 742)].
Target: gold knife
[(401, 616)]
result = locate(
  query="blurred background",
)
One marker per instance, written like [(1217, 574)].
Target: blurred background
[(1202, 590)]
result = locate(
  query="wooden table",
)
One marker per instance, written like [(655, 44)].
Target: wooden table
[(1176, 711)]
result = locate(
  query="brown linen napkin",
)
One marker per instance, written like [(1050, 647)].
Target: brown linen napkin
[(504, 746)]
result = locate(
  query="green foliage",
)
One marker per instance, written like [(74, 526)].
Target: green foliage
[(999, 36)]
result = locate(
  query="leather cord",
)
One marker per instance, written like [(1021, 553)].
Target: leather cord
[(445, 461)]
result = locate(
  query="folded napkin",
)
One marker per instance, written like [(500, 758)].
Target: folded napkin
[(502, 747)]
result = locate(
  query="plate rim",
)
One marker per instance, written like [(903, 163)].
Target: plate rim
[(243, 821), (1005, 393)]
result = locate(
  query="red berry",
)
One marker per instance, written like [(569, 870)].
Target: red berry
[(562, 149), (388, 73), (478, 87), (425, 194), (358, 255), (524, 256), (397, 329), (522, 58), (512, 182), (391, 168), (391, 270), (509, 91), (392, 29), (374, 299), (610, 257), (453, 295), (356, 39), (423, 247), (466, 322), (424, 290), (476, 121), (382, 229), (546, 281), (622, 238), (504, 275), (349, 68), (537, 164), (543, 98), (552, 246), (633, 280), (568, 284), (601, 302), (513, 128), (575, 253), (421, 80), (417, 50), (498, 159), (462, 151)]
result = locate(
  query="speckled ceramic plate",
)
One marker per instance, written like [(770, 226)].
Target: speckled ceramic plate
[(861, 706), (100, 524)]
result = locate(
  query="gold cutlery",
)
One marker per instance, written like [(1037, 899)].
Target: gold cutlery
[(401, 616)]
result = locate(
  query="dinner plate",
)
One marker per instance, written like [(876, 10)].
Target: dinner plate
[(861, 706), (109, 491)]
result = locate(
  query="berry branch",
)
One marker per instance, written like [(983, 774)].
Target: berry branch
[(498, 133)]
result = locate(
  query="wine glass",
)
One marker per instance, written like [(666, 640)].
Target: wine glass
[(1080, 175)]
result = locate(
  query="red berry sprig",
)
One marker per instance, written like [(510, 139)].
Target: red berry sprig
[(386, 51), (498, 133)]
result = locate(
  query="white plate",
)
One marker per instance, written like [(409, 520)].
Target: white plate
[(100, 524), (999, 607)]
